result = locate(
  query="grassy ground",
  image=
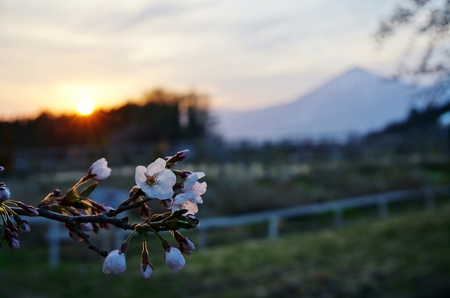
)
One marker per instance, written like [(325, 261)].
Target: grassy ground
[(403, 256)]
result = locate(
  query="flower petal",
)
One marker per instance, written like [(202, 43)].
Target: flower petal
[(191, 207), (200, 188), (197, 200), (200, 175), (168, 176), (182, 198), (156, 167), (139, 176), (149, 190)]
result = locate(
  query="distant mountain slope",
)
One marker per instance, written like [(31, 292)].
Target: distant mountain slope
[(354, 102)]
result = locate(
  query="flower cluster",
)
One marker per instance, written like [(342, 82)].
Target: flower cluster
[(75, 203), (178, 191), (115, 262), (8, 215)]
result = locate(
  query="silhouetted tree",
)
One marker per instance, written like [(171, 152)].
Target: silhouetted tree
[(429, 21), (157, 115)]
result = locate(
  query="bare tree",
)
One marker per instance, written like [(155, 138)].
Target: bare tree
[(428, 24)]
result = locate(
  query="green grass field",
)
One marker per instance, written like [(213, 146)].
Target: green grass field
[(407, 255)]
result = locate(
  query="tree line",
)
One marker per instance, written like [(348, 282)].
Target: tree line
[(157, 115)]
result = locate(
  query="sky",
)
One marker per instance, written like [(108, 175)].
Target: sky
[(242, 54)]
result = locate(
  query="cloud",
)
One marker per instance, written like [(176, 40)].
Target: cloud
[(246, 53)]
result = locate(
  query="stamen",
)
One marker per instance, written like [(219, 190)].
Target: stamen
[(152, 180)]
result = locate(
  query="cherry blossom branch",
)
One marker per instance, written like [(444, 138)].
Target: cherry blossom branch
[(176, 190)]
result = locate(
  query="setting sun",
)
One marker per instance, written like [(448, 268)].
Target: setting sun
[(85, 107)]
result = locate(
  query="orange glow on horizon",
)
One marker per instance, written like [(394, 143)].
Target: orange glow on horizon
[(85, 107)]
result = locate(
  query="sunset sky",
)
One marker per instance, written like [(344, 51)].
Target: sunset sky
[(243, 54)]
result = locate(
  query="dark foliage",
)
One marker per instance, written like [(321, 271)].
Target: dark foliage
[(417, 120), (159, 115)]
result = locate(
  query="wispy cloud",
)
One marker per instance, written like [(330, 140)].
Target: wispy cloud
[(243, 53)]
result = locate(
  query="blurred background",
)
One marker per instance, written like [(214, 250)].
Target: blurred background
[(322, 127)]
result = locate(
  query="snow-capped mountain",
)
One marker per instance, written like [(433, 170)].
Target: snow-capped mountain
[(355, 102)]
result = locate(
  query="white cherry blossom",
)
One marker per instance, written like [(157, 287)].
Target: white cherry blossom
[(156, 181), (191, 194), (99, 169)]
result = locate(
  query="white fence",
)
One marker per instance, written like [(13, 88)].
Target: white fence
[(274, 217), (57, 233)]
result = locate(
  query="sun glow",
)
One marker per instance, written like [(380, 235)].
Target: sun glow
[(85, 107)]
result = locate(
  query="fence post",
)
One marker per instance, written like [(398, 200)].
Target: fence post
[(430, 202), (383, 209), (338, 219), (273, 227)]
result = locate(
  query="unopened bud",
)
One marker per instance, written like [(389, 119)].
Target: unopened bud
[(75, 236), (14, 243), (179, 156), (105, 208), (114, 262), (24, 227), (174, 259), (11, 237), (99, 170), (185, 245), (4, 192), (146, 270), (86, 226), (29, 210)]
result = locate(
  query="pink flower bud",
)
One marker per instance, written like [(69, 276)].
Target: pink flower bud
[(14, 243), (179, 156), (86, 226), (114, 262), (104, 208), (99, 170), (29, 210), (24, 226), (182, 154), (174, 259), (56, 192), (4, 193), (11, 237), (146, 270), (75, 236), (186, 246)]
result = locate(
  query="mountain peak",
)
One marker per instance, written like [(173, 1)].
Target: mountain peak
[(356, 101), (355, 70)]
